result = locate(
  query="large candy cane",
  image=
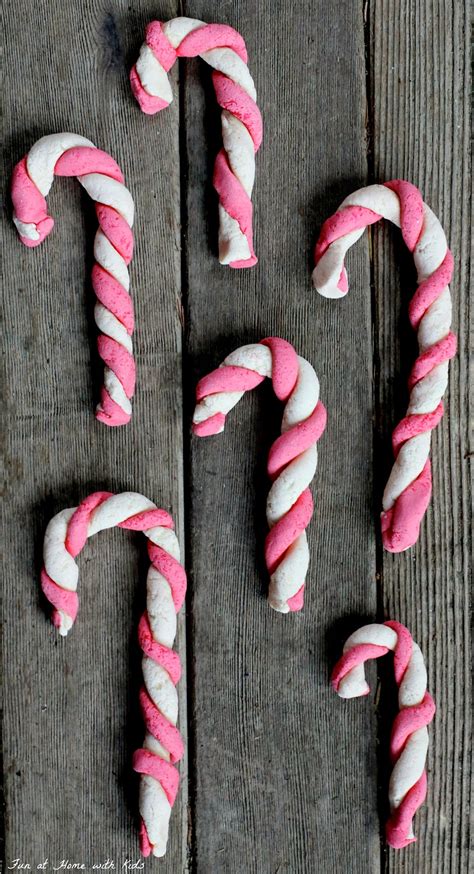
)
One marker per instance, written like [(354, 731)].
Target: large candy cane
[(68, 154), (408, 490), (65, 536), (292, 460), (224, 50), (409, 738)]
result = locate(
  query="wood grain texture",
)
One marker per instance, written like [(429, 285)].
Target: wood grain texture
[(272, 790), (284, 777), (71, 718), (420, 112)]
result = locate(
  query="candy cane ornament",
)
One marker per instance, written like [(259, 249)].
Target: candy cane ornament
[(234, 173), (409, 738), (65, 537), (292, 460), (68, 154), (408, 490)]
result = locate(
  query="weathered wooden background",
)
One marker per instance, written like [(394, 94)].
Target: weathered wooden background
[(280, 776)]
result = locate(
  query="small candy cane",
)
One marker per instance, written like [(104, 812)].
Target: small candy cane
[(292, 460), (234, 173), (68, 154), (408, 490), (409, 739), (65, 537)]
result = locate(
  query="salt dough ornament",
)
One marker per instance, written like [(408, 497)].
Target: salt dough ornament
[(68, 154), (65, 537), (292, 460), (409, 738), (408, 490), (234, 172)]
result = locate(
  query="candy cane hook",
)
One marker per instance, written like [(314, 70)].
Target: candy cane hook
[(408, 490), (409, 738), (67, 154), (292, 460), (65, 537), (234, 173)]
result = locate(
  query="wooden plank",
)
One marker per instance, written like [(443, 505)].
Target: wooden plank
[(419, 83), (278, 756), (71, 716)]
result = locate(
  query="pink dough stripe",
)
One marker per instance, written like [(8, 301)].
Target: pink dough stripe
[(78, 526), (61, 599), (399, 824), (163, 655), (403, 649), (296, 603), (116, 229), (120, 362), (411, 210), (284, 368), (407, 721), (212, 36), (145, 762), (171, 570), (235, 100), (82, 160), (160, 727), (287, 530), (346, 220), (434, 355), (147, 102), (148, 519), (430, 289), (145, 845), (228, 378), (413, 425), (297, 440), (401, 524), (108, 412), (113, 296), (232, 196), (160, 46), (29, 205), (214, 425), (357, 655)]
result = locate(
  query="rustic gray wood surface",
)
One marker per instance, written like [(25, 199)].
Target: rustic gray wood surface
[(280, 775)]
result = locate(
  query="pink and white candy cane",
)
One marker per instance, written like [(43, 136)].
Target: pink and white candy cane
[(409, 738), (292, 460), (408, 490), (65, 537), (234, 173), (67, 154)]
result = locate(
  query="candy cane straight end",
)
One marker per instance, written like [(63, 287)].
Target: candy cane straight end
[(65, 537), (292, 459), (408, 490), (409, 737), (67, 154), (234, 172)]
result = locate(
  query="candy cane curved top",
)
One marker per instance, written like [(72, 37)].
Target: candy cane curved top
[(408, 489), (224, 50), (65, 537), (68, 154), (409, 738), (292, 460)]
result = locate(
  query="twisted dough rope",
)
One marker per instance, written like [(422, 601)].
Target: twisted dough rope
[(408, 490), (292, 459), (409, 738), (67, 154), (234, 172), (65, 537)]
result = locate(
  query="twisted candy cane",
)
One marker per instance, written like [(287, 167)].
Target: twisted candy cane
[(292, 460), (409, 738), (68, 154), (65, 536), (408, 490), (234, 173)]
